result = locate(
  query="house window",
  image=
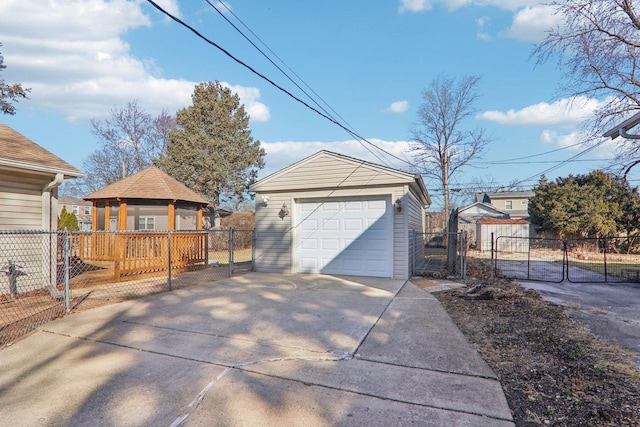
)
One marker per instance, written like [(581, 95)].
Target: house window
[(508, 204), (75, 209), (146, 223), (87, 210)]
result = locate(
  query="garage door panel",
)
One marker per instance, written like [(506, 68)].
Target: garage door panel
[(353, 224), (330, 244), (352, 237), (309, 244)]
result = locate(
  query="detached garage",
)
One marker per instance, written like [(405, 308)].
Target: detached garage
[(335, 214)]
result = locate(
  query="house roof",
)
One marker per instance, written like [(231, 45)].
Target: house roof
[(391, 175), (18, 151), (150, 183), (502, 221), (504, 195), (482, 206)]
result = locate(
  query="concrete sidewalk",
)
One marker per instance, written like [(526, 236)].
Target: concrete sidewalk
[(257, 349)]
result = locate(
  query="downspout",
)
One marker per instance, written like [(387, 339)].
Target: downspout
[(57, 180)]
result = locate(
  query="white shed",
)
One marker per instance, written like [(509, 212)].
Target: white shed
[(510, 235), (335, 214)]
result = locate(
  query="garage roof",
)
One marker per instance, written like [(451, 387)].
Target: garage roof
[(329, 170)]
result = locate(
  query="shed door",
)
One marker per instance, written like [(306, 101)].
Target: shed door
[(351, 236)]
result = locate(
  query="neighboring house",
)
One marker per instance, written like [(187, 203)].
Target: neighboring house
[(335, 214), (515, 203), (29, 180), (212, 217), (469, 215), (147, 200), (80, 208)]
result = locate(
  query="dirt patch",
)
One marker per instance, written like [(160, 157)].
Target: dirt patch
[(553, 372)]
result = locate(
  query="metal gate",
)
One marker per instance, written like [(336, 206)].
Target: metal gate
[(582, 260), (437, 253)]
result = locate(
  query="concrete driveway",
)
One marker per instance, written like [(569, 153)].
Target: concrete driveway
[(256, 349)]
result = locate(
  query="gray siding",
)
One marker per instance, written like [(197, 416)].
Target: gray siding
[(327, 172), (20, 202), (416, 218), (273, 235)]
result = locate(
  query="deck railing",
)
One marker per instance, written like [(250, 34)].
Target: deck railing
[(135, 254)]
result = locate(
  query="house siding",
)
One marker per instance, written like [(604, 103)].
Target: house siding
[(327, 172), (326, 176), (273, 235), (21, 202), (416, 228)]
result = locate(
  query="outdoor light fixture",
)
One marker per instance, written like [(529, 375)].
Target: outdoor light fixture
[(284, 211), (265, 200), (398, 205)]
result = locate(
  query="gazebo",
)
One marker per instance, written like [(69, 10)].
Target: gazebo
[(142, 224), (147, 200)]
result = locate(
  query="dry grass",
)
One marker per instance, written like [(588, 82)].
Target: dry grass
[(553, 372)]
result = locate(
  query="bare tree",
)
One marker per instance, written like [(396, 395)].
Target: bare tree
[(440, 142), (129, 142), (598, 45)]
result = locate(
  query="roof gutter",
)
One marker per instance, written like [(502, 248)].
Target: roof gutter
[(57, 180)]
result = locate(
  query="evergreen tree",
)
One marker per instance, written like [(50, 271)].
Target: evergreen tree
[(592, 205), (67, 220), (211, 149), (9, 93)]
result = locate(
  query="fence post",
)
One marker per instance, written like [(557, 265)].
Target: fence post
[(169, 259), (230, 251), (529, 260), (463, 254), (493, 260), (606, 278), (66, 270)]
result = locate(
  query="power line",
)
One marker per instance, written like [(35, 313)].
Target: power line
[(271, 82), (373, 153)]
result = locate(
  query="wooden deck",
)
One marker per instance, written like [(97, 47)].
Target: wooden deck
[(107, 257)]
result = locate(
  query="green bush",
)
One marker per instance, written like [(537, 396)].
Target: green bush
[(67, 220)]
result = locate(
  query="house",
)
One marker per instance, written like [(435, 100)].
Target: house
[(469, 215), (29, 180), (335, 214), (515, 203), (148, 200), (80, 208)]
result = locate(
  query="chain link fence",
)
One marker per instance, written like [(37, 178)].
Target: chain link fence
[(439, 254), (45, 275)]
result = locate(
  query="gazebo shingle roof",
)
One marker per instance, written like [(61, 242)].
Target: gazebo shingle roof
[(16, 150), (150, 183)]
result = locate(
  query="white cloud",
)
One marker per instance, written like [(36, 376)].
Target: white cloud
[(563, 112), (414, 5), (532, 23), (423, 5), (72, 56), (398, 107), (284, 153), (481, 23)]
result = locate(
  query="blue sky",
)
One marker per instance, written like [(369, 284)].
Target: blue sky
[(369, 60)]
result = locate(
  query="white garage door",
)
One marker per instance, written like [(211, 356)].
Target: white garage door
[(345, 236)]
